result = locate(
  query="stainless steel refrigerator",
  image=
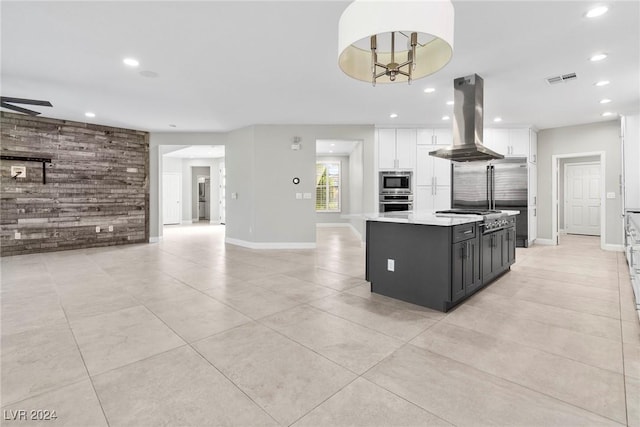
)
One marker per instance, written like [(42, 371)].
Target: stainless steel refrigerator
[(493, 185)]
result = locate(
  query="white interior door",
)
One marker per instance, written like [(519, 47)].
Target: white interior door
[(171, 198), (582, 198)]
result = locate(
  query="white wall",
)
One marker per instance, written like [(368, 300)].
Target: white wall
[(356, 187), (601, 136), (272, 216), (260, 165), (240, 164), (345, 193)]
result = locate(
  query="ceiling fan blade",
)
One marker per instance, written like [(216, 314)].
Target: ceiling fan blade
[(18, 109), (25, 101)]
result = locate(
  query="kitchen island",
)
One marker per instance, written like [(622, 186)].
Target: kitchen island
[(437, 261)]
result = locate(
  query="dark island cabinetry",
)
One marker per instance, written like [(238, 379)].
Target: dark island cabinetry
[(432, 265), (465, 268), (498, 252)]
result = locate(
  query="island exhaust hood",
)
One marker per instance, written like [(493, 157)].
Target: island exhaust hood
[(467, 123)]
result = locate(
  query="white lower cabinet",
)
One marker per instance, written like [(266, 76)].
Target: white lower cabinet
[(432, 198)]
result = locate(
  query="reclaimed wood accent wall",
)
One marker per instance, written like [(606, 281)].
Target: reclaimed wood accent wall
[(98, 177)]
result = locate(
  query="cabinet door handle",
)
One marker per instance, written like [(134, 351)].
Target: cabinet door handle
[(468, 232), (435, 179), (468, 250), (434, 139)]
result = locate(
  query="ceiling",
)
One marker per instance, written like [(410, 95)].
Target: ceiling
[(221, 65)]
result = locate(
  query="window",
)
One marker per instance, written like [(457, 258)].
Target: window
[(327, 186)]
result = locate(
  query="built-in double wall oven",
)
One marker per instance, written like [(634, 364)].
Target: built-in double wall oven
[(396, 192)]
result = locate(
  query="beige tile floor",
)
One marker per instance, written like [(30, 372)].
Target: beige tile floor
[(191, 331)]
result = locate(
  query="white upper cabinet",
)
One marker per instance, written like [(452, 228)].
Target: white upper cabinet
[(432, 170), (497, 140), (516, 142), (406, 148), (439, 136), (396, 148), (386, 148)]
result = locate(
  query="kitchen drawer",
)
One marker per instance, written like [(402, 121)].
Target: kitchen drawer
[(464, 232)]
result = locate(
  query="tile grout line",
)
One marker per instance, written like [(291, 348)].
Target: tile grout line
[(104, 414), (624, 372), (514, 383), (189, 344)]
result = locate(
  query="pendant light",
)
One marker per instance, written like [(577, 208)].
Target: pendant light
[(384, 41)]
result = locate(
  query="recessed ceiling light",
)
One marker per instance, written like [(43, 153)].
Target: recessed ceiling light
[(597, 11), (605, 101), (449, 102), (445, 117), (90, 114), (393, 115), (131, 62), (429, 90), (602, 83), (598, 57), (497, 119), (607, 113)]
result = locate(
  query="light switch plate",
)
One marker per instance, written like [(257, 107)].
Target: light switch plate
[(111, 228), (299, 196), (17, 236), (307, 195), (391, 265), (611, 195), (234, 195), (97, 229), (19, 171)]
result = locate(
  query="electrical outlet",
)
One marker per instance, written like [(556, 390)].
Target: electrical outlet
[(298, 196), (17, 235), (391, 265), (97, 229), (611, 195), (111, 228)]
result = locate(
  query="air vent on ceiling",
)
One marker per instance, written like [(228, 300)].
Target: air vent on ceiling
[(565, 78)]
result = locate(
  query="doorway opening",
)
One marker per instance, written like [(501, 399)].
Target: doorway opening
[(578, 196), (192, 185)]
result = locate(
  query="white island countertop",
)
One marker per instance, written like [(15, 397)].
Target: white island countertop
[(428, 218)]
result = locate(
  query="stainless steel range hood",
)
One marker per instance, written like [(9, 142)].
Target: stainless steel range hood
[(467, 123)]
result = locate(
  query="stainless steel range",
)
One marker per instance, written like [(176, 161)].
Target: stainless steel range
[(492, 220)]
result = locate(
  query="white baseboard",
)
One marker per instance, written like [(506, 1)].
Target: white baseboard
[(339, 224), (355, 230), (155, 239), (614, 248), (214, 222), (270, 245), (545, 242)]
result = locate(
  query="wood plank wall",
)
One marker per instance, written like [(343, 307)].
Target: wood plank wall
[(98, 177)]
